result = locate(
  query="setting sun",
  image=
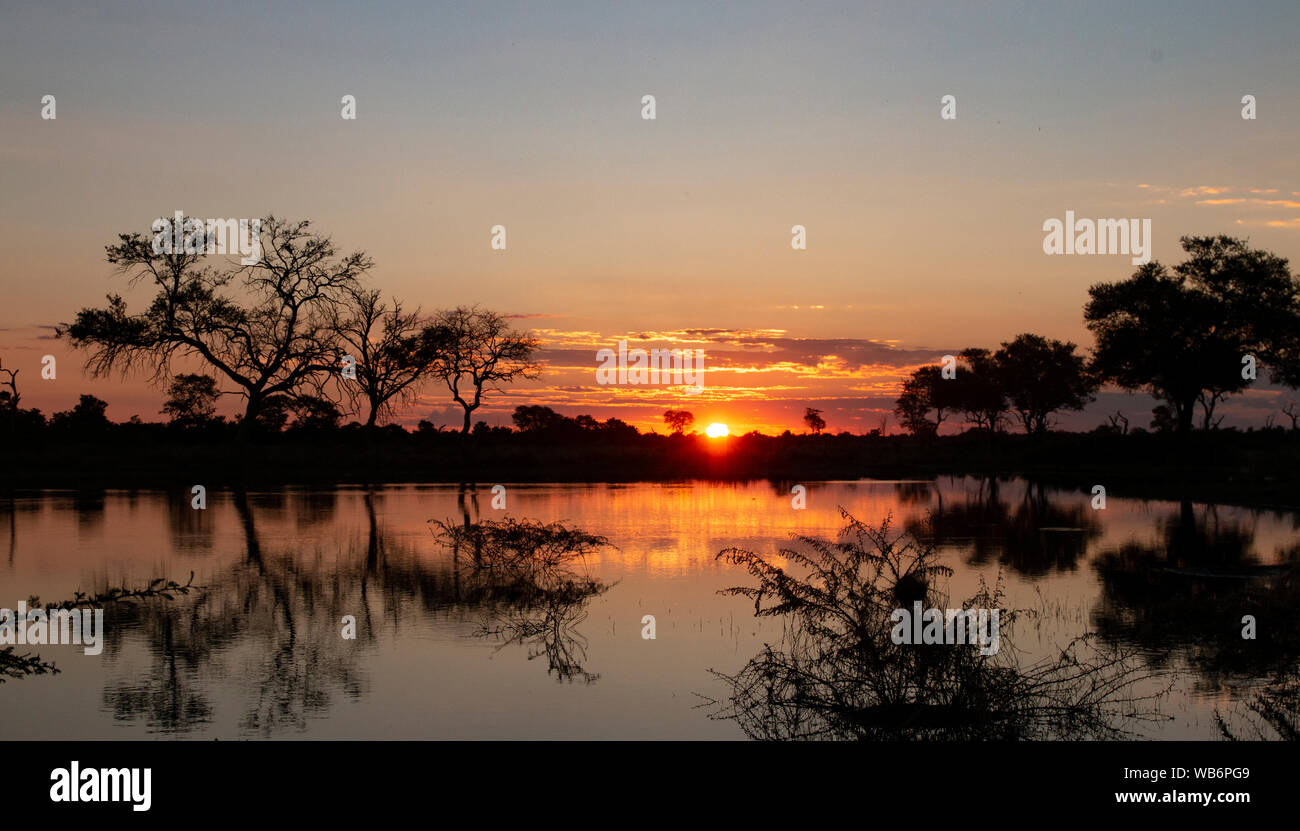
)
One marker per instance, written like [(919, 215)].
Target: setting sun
[(716, 430)]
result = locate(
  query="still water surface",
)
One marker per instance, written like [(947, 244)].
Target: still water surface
[(258, 652)]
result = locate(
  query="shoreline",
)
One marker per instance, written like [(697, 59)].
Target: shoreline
[(1259, 469)]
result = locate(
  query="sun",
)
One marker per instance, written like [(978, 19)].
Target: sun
[(716, 430)]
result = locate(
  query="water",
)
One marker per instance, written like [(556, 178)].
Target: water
[(258, 652)]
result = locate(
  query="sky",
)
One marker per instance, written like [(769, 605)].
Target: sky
[(924, 235)]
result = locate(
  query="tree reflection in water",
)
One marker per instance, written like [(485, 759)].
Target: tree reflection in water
[(522, 573), (1184, 601), (271, 621), (1033, 535)]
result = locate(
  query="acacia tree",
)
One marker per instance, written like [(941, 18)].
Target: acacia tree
[(1183, 335), (394, 351), (813, 418), (1043, 376), (480, 352), (264, 327), (678, 420)]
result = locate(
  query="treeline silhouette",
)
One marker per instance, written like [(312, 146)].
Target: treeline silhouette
[(297, 442), (1190, 337), (320, 362)]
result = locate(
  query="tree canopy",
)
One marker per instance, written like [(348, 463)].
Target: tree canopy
[(1184, 336)]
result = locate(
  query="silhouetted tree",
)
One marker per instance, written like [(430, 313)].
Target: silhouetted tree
[(272, 338), (1118, 422), (912, 406), (87, 417), (481, 351), (1292, 411), (191, 399), (312, 412), (9, 399), (678, 420), (533, 418), (1162, 419), (813, 418), (537, 419), (1183, 336), (394, 350), (1043, 376), (924, 391), (619, 428), (273, 414), (977, 390)]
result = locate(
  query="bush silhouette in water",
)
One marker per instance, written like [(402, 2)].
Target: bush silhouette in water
[(837, 673)]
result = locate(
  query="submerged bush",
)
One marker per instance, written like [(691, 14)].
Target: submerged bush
[(837, 673)]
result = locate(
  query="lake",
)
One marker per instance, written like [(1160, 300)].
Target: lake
[(258, 651)]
